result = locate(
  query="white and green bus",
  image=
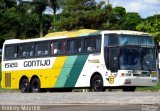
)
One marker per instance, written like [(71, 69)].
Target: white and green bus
[(80, 59)]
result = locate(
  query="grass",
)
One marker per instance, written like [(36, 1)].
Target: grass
[(147, 89), (151, 88), (3, 90)]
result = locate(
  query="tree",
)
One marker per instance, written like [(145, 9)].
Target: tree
[(8, 19), (55, 5), (119, 12), (40, 6), (22, 26), (151, 25), (129, 21), (26, 19), (89, 14), (80, 14)]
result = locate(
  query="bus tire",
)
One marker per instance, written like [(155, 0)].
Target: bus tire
[(129, 89), (25, 86), (97, 84), (35, 85)]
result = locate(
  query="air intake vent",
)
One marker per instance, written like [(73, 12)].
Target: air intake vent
[(7, 79)]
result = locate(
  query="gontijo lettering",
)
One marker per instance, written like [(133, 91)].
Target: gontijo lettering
[(35, 63)]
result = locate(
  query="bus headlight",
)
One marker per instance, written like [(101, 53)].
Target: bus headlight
[(125, 74), (154, 74), (154, 81)]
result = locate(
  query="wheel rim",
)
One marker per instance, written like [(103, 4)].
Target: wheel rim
[(24, 86), (97, 85), (35, 86)]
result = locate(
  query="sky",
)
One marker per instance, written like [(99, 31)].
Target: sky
[(145, 8)]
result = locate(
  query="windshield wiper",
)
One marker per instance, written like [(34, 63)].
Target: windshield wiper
[(147, 64)]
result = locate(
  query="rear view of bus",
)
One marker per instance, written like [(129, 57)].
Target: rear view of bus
[(130, 58)]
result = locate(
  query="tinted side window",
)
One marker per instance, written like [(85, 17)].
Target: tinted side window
[(79, 45), (88, 43), (97, 44), (58, 47), (42, 48), (92, 44), (71, 46), (74, 46), (11, 52), (26, 50), (113, 40)]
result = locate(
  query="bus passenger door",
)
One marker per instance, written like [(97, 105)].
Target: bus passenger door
[(113, 54)]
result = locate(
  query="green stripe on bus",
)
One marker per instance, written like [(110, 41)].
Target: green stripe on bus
[(76, 70), (65, 71)]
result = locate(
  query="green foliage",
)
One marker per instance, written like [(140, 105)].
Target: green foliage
[(75, 14), (151, 25), (26, 19), (129, 21), (89, 14), (153, 88), (21, 20), (119, 11)]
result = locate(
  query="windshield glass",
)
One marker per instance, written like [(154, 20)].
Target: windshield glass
[(136, 40), (131, 52), (130, 59), (121, 40), (148, 59), (137, 59)]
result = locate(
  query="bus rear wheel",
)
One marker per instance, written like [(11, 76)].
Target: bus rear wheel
[(97, 84), (35, 85), (25, 86)]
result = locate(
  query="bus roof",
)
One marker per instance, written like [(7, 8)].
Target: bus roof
[(87, 32), (127, 32), (77, 33)]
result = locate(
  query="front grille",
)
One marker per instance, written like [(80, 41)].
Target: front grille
[(136, 74), (7, 79)]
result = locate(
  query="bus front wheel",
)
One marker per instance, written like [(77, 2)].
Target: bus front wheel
[(25, 86), (97, 84), (35, 85)]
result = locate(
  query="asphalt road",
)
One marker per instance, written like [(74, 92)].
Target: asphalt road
[(81, 101), (80, 107), (17, 98), (96, 108)]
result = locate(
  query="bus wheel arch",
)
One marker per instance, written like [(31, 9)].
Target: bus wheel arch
[(35, 84), (24, 84), (96, 82)]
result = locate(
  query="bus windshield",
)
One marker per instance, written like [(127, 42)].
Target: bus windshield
[(121, 40), (137, 59), (148, 59), (129, 52), (136, 40), (130, 59)]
